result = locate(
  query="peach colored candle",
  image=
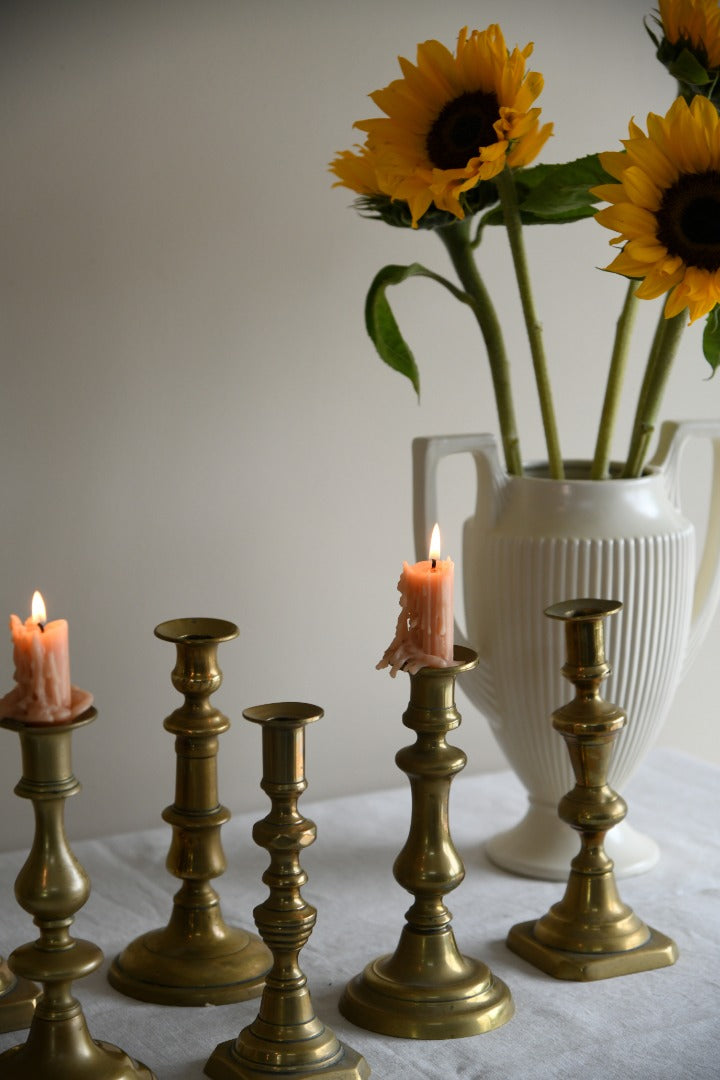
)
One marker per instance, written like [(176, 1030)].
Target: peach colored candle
[(424, 631), (42, 693)]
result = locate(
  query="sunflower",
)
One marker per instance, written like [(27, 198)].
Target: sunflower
[(666, 207), (451, 122), (693, 25)]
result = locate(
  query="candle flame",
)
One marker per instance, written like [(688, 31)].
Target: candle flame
[(39, 614), (435, 542)]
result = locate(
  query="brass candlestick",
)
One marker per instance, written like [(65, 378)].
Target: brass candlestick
[(17, 999), (427, 989), (286, 1039), (52, 886), (196, 959), (590, 934)]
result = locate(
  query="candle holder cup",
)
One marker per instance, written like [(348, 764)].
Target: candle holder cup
[(286, 1039), (427, 989), (590, 934), (52, 886), (197, 959)]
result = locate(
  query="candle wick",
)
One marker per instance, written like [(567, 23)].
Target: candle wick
[(42, 627), (434, 564)]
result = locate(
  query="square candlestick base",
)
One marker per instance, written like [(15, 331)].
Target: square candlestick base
[(17, 1002), (657, 952)]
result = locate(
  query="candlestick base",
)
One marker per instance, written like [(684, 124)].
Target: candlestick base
[(427, 989), (226, 1064), (90, 1060), (17, 1000), (162, 967), (658, 951), (463, 998)]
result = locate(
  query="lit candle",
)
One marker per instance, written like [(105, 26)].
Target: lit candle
[(42, 692), (424, 631)]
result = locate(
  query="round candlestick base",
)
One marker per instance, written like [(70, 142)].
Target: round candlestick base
[(90, 1060), (464, 999), (160, 967)]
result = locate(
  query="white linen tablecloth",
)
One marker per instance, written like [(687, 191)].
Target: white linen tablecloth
[(659, 1025)]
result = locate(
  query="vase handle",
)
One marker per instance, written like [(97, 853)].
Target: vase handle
[(427, 455), (428, 452), (671, 443)]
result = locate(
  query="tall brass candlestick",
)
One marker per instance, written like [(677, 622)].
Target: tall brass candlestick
[(427, 989), (590, 934), (286, 1039), (197, 959), (52, 886), (17, 999)]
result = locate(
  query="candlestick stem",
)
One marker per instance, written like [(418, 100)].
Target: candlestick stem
[(52, 886), (287, 1039), (590, 934), (197, 959), (427, 989)]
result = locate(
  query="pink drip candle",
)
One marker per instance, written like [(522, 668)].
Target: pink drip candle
[(42, 693), (424, 631)]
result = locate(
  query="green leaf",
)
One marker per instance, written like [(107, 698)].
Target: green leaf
[(382, 325), (653, 37), (687, 69), (711, 339), (556, 194)]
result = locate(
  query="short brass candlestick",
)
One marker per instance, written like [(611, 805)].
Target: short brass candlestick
[(17, 999), (590, 934), (197, 959), (52, 886), (427, 989), (286, 1039)]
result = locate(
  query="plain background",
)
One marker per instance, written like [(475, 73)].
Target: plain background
[(192, 419)]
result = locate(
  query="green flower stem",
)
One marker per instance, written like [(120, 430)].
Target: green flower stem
[(658, 368), (459, 246), (508, 200), (618, 363)]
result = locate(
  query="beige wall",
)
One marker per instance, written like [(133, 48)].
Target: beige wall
[(192, 420)]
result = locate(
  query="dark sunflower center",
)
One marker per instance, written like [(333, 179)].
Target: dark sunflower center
[(464, 125), (689, 219)]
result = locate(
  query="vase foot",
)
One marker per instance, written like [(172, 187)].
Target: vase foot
[(542, 846)]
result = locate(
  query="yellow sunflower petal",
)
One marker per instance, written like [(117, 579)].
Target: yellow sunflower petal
[(611, 193), (641, 189), (613, 162), (632, 221), (357, 172), (527, 149)]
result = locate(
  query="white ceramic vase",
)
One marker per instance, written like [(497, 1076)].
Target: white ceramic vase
[(534, 541)]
